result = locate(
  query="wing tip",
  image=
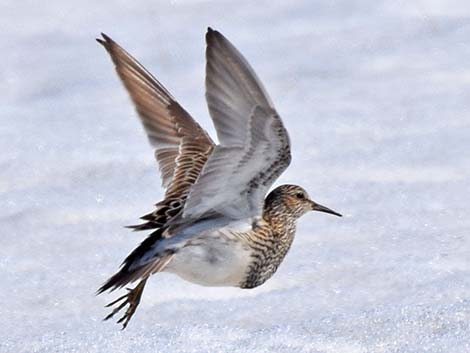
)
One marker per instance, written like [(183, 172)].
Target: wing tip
[(212, 34), (105, 41)]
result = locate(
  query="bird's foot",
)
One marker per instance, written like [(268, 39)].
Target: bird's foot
[(132, 298)]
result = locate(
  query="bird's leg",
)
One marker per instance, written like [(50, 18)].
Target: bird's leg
[(132, 298)]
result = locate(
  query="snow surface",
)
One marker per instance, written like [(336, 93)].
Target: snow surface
[(376, 97)]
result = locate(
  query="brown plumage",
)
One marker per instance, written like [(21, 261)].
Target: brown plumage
[(181, 145), (214, 227)]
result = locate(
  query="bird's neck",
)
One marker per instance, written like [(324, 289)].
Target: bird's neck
[(280, 219)]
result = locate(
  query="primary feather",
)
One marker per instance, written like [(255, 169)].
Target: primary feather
[(181, 145)]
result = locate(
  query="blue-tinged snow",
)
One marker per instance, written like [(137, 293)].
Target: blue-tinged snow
[(376, 97)]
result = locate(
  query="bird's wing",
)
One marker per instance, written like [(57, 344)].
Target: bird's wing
[(167, 124), (181, 145), (254, 145)]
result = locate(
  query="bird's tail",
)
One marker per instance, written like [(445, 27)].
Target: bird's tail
[(141, 263)]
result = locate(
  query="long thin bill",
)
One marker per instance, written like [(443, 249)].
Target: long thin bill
[(320, 208)]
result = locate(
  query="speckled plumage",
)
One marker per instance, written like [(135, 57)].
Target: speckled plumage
[(214, 227), (273, 235)]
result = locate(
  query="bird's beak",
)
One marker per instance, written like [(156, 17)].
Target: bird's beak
[(320, 208)]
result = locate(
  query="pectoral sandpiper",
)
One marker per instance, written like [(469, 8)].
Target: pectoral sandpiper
[(214, 227)]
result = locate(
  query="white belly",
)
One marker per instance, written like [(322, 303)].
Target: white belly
[(214, 259)]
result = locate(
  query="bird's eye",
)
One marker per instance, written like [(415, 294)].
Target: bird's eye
[(300, 196)]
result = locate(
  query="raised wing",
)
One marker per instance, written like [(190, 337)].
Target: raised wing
[(254, 145), (181, 145)]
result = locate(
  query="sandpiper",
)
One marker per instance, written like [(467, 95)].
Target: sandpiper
[(214, 227)]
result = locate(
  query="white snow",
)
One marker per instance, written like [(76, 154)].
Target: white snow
[(376, 97)]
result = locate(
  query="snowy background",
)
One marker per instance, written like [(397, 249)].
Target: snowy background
[(376, 97)]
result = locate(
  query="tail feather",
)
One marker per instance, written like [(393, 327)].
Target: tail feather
[(130, 272)]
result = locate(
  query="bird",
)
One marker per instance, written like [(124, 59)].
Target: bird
[(215, 225)]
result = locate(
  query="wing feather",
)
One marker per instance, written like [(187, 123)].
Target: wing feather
[(254, 145), (165, 121), (181, 145)]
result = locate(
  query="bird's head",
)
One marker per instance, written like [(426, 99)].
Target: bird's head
[(295, 201)]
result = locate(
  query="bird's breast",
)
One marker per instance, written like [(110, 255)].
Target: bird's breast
[(267, 254)]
